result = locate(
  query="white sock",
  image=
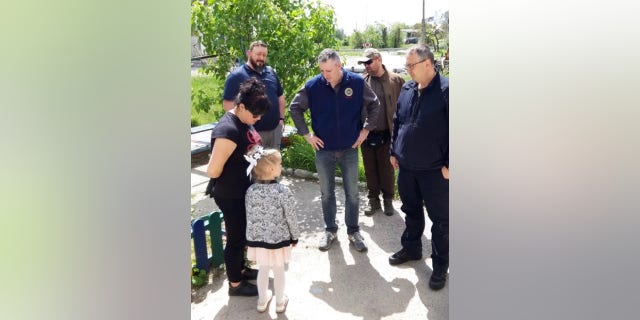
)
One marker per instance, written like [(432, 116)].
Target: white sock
[(278, 283), (263, 283)]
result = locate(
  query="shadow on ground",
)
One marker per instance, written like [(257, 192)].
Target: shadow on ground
[(346, 290)]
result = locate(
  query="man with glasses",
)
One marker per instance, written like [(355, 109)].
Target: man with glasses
[(271, 124), (420, 150), (337, 100), (375, 150)]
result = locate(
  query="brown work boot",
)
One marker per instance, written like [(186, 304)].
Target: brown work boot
[(374, 206), (388, 207)]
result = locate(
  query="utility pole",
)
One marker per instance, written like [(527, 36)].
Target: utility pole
[(423, 39)]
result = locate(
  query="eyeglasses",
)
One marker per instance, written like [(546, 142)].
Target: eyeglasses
[(411, 65), (366, 63)]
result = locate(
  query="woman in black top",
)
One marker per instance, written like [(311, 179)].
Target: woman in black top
[(232, 137)]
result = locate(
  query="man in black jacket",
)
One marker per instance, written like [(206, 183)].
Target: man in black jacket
[(420, 150)]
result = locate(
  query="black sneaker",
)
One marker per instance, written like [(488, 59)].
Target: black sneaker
[(250, 274), (437, 280), (245, 289), (402, 256)]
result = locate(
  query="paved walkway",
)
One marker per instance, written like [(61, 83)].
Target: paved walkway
[(338, 284)]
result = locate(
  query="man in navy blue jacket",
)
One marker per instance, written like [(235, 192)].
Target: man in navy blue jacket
[(420, 150), (336, 99)]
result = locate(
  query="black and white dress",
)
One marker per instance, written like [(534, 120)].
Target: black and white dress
[(272, 225)]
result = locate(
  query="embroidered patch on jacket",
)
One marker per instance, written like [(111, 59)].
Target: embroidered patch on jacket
[(348, 92)]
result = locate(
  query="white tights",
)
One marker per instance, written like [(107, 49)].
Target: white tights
[(278, 282)]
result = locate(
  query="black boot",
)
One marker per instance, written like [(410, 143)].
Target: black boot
[(374, 206), (438, 278), (388, 207)]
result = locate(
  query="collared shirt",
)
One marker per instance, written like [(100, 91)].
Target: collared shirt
[(271, 119)]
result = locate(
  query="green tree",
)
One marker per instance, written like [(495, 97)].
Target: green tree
[(385, 38), (295, 30), (340, 35), (443, 22), (356, 40), (437, 31), (443, 26), (342, 38), (396, 39), (373, 34)]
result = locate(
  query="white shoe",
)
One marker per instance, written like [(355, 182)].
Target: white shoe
[(282, 307), (262, 307)]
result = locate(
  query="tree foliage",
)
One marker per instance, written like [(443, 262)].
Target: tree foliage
[(295, 30), (396, 37), (373, 34), (356, 40), (340, 34), (384, 36), (443, 22)]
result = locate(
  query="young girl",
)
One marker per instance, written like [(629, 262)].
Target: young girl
[(272, 226)]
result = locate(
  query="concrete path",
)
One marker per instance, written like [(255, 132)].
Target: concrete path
[(338, 284)]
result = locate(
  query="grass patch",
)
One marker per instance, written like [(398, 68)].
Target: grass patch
[(206, 100)]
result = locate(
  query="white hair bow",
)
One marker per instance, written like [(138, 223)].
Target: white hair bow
[(252, 157)]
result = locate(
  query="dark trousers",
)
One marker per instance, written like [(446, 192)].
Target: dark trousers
[(378, 171), (235, 223), (431, 189)]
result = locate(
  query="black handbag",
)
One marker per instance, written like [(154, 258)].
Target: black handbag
[(209, 189), (376, 139)]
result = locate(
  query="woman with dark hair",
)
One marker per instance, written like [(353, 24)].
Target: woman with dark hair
[(232, 137)]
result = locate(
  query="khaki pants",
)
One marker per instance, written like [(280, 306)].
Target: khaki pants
[(271, 139)]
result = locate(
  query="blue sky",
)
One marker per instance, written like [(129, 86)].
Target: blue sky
[(352, 14)]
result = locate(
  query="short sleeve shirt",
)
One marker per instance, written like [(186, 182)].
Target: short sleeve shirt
[(234, 181), (270, 120)]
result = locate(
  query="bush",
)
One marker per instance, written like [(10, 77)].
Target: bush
[(300, 155), (198, 277)]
